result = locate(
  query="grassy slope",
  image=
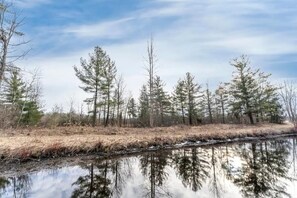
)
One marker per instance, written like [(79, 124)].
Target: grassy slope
[(44, 143)]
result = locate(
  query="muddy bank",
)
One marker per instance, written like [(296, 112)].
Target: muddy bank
[(10, 168), (27, 145)]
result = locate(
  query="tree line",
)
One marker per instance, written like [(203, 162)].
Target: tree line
[(249, 97)]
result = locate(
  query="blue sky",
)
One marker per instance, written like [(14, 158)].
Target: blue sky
[(194, 36)]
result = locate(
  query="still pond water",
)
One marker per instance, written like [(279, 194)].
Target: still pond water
[(254, 169)]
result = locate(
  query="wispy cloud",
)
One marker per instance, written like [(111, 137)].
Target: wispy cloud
[(24, 4), (107, 29)]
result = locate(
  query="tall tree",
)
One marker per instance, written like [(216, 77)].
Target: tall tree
[(162, 101), (180, 97), (152, 58), (243, 87), (222, 98), (90, 75), (193, 94), (108, 78), (144, 107), (10, 37), (119, 98), (209, 102), (267, 104), (132, 111), (288, 94)]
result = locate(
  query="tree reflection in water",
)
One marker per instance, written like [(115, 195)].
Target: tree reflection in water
[(4, 183), (263, 170), (20, 185), (258, 169), (192, 167), (153, 168), (105, 179), (94, 184)]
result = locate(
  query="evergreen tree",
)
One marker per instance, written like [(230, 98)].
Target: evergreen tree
[(14, 88), (221, 100), (252, 93), (209, 103), (193, 94), (31, 113), (23, 98), (144, 107), (267, 106), (108, 78), (243, 87), (179, 98), (162, 101), (90, 75), (132, 111)]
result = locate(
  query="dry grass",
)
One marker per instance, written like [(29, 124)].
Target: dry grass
[(26, 144)]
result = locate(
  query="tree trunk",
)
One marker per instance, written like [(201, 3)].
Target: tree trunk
[(223, 110), (108, 106), (95, 107)]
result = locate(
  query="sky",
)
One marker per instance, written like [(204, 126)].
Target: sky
[(196, 36)]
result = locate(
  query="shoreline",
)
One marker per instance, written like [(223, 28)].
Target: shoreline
[(10, 168), (27, 145)]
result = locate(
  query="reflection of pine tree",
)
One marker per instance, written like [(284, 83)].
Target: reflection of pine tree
[(226, 164), (294, 151), (215, 185), (94, 184), (3, 184), (121, 170), (265, 165), (153, 167), (192, 167), (21, 185)]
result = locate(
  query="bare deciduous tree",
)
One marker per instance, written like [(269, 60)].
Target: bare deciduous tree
[(11, 39), (288, 94), (152, 58), (119, 94)]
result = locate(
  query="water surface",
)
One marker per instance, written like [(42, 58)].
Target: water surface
[(254, 169)]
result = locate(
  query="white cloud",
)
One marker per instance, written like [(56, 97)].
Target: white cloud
[(106, 29), (29, 3)]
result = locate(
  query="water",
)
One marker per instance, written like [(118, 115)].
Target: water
[(255, 169)]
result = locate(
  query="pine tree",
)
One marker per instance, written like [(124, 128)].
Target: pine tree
[(210, 103), (221, 100), (132, 111), (31, 113), (161, 100), (144, 106), (243, 87), (14, 88), (90, 75), (179, 98), (266, 98), (193, 94), (108, 78), (23, 98)]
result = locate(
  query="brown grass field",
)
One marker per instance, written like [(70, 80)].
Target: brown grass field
[(37, 143)]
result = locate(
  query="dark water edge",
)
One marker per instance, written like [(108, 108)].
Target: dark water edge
[(262, 168)]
